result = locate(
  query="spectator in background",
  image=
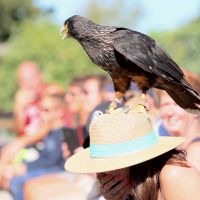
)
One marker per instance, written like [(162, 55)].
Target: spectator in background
[(51, 89), (99, 94), (49, 151), (179, 122), (26, 108), (78, 96), (27, 98), (193, 79), (83, 94), (94, 88), (75, 98)]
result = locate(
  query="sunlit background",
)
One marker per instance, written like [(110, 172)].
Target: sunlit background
[(29, 30)]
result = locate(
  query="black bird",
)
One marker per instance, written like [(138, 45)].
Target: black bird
[(129, 55)]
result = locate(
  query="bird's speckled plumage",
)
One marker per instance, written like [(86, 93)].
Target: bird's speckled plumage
[(129, 55)]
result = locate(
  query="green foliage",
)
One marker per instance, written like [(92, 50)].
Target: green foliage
[(183, 45), (38, 40), (62, 60), (13, 12), (41, 42)]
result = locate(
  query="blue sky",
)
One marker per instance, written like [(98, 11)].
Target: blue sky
[(157, 14)]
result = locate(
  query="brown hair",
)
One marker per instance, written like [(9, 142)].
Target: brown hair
[(78, 82), (58, 100), (100, 78), (145, 176)]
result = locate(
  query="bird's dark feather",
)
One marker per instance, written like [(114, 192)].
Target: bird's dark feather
[(144, 52), (129, 55)]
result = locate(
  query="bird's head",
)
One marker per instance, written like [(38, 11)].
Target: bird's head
[(77, 27)]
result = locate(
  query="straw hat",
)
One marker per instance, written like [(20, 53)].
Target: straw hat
[(120, 139)]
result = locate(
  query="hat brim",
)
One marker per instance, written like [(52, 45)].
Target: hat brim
[(82, 162)]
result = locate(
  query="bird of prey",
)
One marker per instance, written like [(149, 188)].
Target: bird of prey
[(128, 55)]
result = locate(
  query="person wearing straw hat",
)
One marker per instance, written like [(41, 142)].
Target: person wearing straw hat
[(132, 162)]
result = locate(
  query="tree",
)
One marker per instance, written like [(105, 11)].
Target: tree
[(12, 13), (60, 61), (41, 42), (183, 45)]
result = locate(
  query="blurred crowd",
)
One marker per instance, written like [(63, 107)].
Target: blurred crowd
[(52, 124)]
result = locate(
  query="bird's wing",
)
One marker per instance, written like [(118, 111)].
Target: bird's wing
[(144, 52)]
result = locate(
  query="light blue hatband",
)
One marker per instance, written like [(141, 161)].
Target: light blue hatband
[(109, 150)]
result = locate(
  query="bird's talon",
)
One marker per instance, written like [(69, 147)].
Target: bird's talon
[(126, 109), (107, 111), (145, 107), (111, 107)]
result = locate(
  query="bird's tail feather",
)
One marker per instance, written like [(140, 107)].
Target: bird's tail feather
[(185, 98)]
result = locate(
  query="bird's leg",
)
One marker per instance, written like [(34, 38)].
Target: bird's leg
[(115, 102), (121, 85), (144, 100), (112, 106), (143, 97)]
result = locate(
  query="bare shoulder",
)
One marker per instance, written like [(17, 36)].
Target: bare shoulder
[(174, 179), (171, 172)]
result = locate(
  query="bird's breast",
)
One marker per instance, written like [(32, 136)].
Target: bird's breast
[(140, 80), (102, 55)]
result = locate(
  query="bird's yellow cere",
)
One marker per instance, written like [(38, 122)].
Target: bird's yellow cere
[(66, 28), (64, 31)]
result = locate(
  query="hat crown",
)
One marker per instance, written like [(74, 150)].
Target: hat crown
[(121, 125)]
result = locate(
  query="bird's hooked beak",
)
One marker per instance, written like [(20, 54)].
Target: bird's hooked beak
[(64, 32)]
